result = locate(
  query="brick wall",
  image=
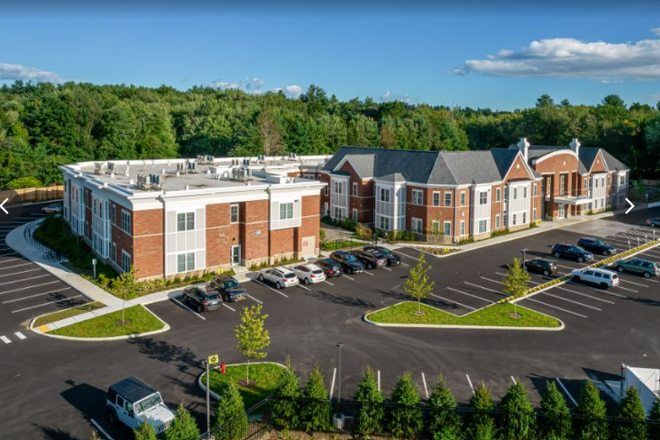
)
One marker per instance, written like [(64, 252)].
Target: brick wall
[(123, 241), (148, 239)]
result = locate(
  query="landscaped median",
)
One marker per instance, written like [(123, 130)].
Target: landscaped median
[(68, 313), (496, 316)]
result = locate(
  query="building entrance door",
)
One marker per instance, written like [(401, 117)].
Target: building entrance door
[(236, 255), (562, 211)]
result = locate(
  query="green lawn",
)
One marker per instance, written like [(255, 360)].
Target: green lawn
[(342, 244), (141, 321), (68, 313), (265, 376), (495, 315)]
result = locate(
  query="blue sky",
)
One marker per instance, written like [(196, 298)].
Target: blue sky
[(415, 55)]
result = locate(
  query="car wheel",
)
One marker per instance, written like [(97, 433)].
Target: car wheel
[(200, 309), (603, 286), (647, 275), (225, 298), (279, 285), (556, 254), (307, 281), (619, 268), (606, 253), (580, 260), (261, 277), (372, 266), (576, 278), (546, 273), (112, 417)]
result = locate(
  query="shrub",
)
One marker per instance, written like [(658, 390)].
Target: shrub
[(316, 408), (369, 405), (322, 234), (231, 419), (183, 427), (444, 421), (145, 432), (556, 421), (405, 419), (287, 392), (24, 182), (480, 424)]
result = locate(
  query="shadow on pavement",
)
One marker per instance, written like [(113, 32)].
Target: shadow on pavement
[(183, 358)]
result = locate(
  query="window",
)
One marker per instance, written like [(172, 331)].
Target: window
[(355, 189), (506, 220), (483, 226), (417, 225), (338, 213), (515, 193), (498, 194), (355, 215), (622, 180), (185, 221), (185, 262), (384, 223), (325, 190), (514, 219), (596, 183), (497, 222), (436, 199), (462, 227), (126, 262), (463, 198), (384, 195), (113, 252), (534, 215), (126, 222), (447, 199), (447, 229), (417, 197), (524, 218), (524, 192), (585, 183), (286, 211), (233, 214), (339, 187), (535, 189), (483, 198)]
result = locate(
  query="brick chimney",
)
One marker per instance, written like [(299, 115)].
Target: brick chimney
[(575, 146), (523, 146)]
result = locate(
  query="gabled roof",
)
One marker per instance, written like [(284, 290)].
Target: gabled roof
[(588, 156), (538, 151), (613, 163), (471, 166), (363, 164)]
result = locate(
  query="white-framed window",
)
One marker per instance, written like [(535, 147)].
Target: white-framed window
[(498, 195), (384, 195), (113, 252), (416, 224), (233, 214), (462, 198), (384, 223), (339, 187), (563, 178), (436, 198), (514, 219), (524, 218), (185, 221), (536, 189), (596, 182), (338, 213), (446, 228), (355, 189), (515, 193), (355, 215), (462, 227), (483, 226), (185, 262), (126, 262), (417, 197), (286, 211), (585, 182), (483, 198), (126, 222), (524, 192), (497, 222), (447, 198), (622, 180), (534, 215)]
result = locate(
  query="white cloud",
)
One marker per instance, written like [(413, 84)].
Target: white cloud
[(654, 97), (389, 96), (571, 58), (656, 30), (292, 91), (14, 72), (257, 86)]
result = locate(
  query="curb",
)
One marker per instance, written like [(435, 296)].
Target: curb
[(366, 319), (166, 327), (215, 395)]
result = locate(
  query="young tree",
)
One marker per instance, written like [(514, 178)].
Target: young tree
[(654, 419), (516, 282), (444, 421), (632, 425), (316, 406), (592, 425), (555, 422), (517, 421), (480, 424), (286, 410), (405, 418), (145, 432), (252, 336), (369, 410), (231, 419), (183, 427), (126, 285), (418, 285)]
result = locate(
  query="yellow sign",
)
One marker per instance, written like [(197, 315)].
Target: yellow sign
[(214, 359)]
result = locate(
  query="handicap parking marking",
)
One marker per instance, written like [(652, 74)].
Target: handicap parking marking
[(20, 336), (555, 307), (454, 302), (585, 295), (29, 287), (188, 308), (571, 301), (484, 288), (5, 339), (469, 294), (268, 287), (254, 299), (46, 304), (34, 296)]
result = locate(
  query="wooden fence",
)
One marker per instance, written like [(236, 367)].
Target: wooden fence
[(36, 194)]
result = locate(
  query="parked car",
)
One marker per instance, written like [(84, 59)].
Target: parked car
[(599, 277), (202, 299), (348, 262), (371, 259), (596, 246), (646, 268), (229, 288), (330, 267), (653, 222), (134, 402), (280, 276), (571, 252), (309, 273), (391, 258), (538, 265), (52, 209)]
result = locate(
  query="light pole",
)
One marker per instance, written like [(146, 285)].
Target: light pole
[(524, 253), (339, 346)]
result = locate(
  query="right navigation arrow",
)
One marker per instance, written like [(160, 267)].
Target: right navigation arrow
[(627, 210)]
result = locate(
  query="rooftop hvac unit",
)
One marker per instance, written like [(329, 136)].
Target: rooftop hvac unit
[(143, 182), (180, 167), (111, 168), (99, 168), (192, 166), (156, 181), (127, 171)]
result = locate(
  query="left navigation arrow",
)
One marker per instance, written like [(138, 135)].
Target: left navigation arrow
[(2, 206)]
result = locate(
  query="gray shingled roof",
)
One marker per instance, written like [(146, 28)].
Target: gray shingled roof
[(362, 163), (613, 163), (588, 156)]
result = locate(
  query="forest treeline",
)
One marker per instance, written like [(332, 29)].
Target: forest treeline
[(45, 125)]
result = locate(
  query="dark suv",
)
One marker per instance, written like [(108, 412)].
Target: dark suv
[(201, 299), (371, 259), (348, 262), (537, 265), (596, 246), (331, 268), (230, 289), (391, 258), (571, 252)]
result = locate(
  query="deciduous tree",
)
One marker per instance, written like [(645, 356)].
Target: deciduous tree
[(516, 282), (252, 336), (418, 285)]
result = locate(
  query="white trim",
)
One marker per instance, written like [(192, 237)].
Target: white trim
[(553, 154)]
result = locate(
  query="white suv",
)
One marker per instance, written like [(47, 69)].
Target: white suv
[(309, 273), (280, 276), (599, 277), (133, 402)]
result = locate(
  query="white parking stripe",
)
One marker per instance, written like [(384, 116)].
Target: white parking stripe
[(406, 255), (304, 287), (513, 379), (29, 287), (10, 254), (18, 265), (573, 283), (625, 288), (346, 276), (230, 308), (254, 299), (585, 295), (469, 294), (555, 307), (328, 282), (20, 336), (491, 280), (568, 267), (368, 273), (268, 287), (19, 273), (387, 268), (24, 279), (566, 391), (470, 383), (10, 259), (188, 308), (5, 339), (452, 301), (571, 301), (34, 296), (632, 282), (426, 390), (46, 304), (332, 384), (484, 288), (405, 264)]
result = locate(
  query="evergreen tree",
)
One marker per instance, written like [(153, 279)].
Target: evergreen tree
[(316, 406), (632, 425), (592, 424), (183, 427), (231, 420), (555, 422), (517, 421), (405, 418), (369, 410), (480, 424), (145, 432), (654, 420), (286, 411), (444, 421)]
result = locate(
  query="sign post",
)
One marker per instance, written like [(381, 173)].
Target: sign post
[(212, 360)]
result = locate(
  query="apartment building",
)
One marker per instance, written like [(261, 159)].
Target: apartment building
[(171, 217), (456, 195)]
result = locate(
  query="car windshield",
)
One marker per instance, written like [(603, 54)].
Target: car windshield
[(577, 248), (148, 403), (317, 272), (385, 252), (231, 284), (212, 297), (350, 258), (289, 275)]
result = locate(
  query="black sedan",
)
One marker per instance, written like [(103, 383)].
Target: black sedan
[(348, 262), (201, 299), (596, 246), (230, 289), (391, 258), (544, 267), (371, 259), (330, 267)]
